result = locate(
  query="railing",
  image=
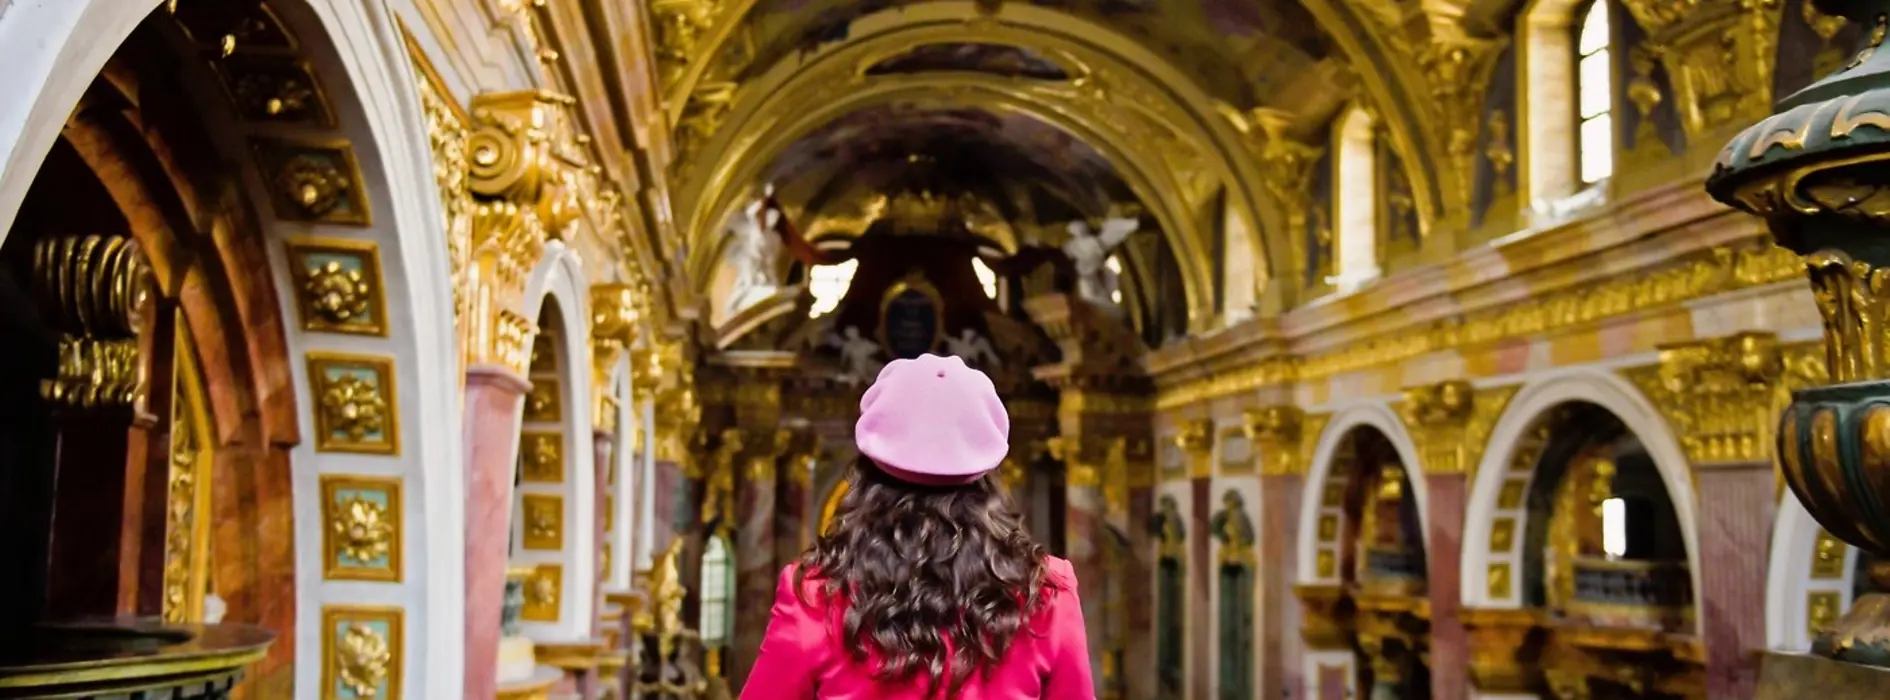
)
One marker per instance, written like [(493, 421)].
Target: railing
[(1632, 593)]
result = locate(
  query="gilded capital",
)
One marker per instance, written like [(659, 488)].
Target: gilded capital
[(1275, 432), (613, 332), (1722, 395), (1719, 57), (1458, 69), (1450, 422)]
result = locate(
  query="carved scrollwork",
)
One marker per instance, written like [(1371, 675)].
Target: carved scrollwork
[(94, 287)]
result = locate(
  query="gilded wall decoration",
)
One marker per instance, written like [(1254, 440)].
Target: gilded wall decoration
[(1502, 534), (1332, 495), (339, 286), (1498, 581), (1828, 555), (615, 316), (1276, 432), (361, 528), (541, 456), (545, 402), (1196, 441), (544, 593), (544, 521), (317, 182), (363, 652), (1822, 609), (1721, 62), (275, 90), (448, 127), (1329, 528), (1722, 395), (187, 490), (1511, 497), (225, 27), (1326, 565), (356, 407)]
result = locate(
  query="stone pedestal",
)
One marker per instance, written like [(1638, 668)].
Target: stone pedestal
[(494, 398)]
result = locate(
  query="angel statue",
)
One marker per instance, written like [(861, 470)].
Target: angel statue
[(1090, 251), (754, 252), (860, 355), (973, 348)]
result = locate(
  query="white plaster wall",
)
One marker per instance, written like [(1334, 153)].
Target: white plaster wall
[(1789, 582)]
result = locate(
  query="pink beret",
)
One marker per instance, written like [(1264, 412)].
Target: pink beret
[(932, 420)]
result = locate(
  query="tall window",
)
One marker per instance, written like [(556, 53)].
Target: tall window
[(986, 277), (1114, 263), (718, 593), (1614, 528), (1595, 95), (1356, 201), (829, 284)]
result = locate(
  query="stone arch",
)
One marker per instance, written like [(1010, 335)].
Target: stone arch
[(736, 154), (557, 283), (1374, 415), (1807, 568), (1531, 404), (53, 50)]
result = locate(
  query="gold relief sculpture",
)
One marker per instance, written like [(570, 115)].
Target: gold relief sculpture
[(1502, 534), (1715, 271), (544, 521), (614, 320), (318, 182), (1498, 583), (361, 536), (271, 89), (1722, 395), (1195, 440), (1830, 55), (544, 593), (1115, 476), (187, 489), (362, 652), (1646, 96), (1721, 62), (448, 127), (1276, 432), (1828, 555), (96, 286), (1457, 68), (1328, 528), (1511, 497), (543, 404), (718, 496), (1333, 495), (1326, 564), (356, 406), (541, 457), (1436, 415), (1822, 609), (340, 286), (1500, 152)]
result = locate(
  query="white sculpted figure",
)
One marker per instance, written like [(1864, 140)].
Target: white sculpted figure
[(1090, 251), (755, 253), (860, 355), (973, 348)]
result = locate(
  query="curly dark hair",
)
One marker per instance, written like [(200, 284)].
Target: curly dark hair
[(916, 566)]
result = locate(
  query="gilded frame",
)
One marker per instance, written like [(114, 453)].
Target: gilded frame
[(383, 368), (273, 155), (393, 617), (332, 568), (914, 281), (299, 252)]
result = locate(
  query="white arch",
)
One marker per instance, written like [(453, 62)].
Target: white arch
[(559, 276), (1585, 385), (1788, 580), (1377, 415), (624, 499), (53, 51)]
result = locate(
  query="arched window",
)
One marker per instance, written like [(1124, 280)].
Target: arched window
[(718, 594), (1614, 527), (986, 277), (1356, 201), (1594, 94), (829, 284)]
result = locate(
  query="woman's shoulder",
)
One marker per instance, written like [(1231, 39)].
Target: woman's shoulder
[(1059, 574)]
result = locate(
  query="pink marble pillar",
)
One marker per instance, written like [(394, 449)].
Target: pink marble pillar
[(667, 478), (1737, 505), (494, 398), (756, 573), (603, 446), (1201, 608), (1450, 642), (1082, 540), (1280, 649), (1139, 597)]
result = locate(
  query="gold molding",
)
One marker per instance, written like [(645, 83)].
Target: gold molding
[(361, 526), (366, 414), (188, 486), (367, 656), (317, 181), (570, 656), (334, 298)]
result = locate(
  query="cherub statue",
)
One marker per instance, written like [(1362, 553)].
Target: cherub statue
[(1234, 530), (756, 250), (1167, 527), (858, 354), (1090, 252), (973, 348)]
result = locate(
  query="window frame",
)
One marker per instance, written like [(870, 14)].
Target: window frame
[(1579, 26)]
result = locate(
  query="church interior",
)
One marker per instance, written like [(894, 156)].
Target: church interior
[(1390, 349)]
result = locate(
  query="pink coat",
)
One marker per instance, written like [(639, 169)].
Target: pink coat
[(802, 658)]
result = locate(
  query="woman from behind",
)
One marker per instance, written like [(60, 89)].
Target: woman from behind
[(925, 585)]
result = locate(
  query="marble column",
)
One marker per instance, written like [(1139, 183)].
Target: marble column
[(603, 445), (1450, 642), (754, 562), (1280, 647), (1738, 503), (494, 399), (1082, 536), (1139, 596), (1200, 572)]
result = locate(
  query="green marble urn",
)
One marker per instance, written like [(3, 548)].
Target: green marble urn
[(1818, 172)]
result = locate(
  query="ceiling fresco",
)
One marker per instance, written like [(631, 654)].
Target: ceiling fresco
[(1241, 51), (1028, 171)]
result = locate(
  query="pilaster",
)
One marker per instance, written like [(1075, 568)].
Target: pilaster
[(495, 398), (1277, 432)]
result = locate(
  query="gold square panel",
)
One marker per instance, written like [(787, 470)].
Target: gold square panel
[(545, 352), (1326, 564), (1822, 609), (610, 512), (1328, 527), (313, 181), (362, 527), (544, 404), (1827, 556), (355, 405), (544, 521), (541, 457), (275, 89), (1511, 497), (338, 286), (544, 591), (1333, 495), (1499, 581), (1502, 534), (362, 652)]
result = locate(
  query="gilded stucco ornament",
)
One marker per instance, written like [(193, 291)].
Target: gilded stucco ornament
[(615, 318), (362, 530), (1276, 431), (1719, 57), (1722, 395), (339, 293), (1816, 175), (362, 657), (98, 284), (353, 406)]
